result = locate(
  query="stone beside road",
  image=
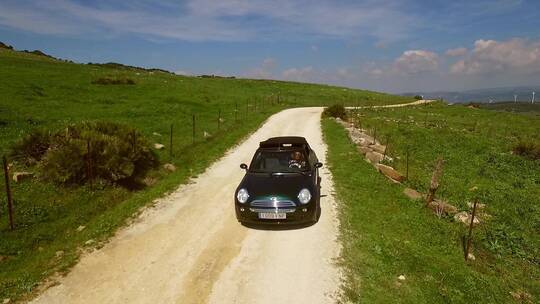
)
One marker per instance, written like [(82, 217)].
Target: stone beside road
[(412, 194), (390, 172), (19, 176)]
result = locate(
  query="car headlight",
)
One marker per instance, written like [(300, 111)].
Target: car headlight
[(242, 195), (304, 196)]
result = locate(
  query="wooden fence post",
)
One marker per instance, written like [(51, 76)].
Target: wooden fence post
[(470, 230), (386, 146), (8, 193), (437, 173)]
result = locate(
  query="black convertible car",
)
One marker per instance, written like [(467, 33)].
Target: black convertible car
[(281, 185)]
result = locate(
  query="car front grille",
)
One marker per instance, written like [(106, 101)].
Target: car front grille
[(273, 204), (272, 210)]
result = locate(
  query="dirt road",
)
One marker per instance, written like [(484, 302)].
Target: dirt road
[(399, 105), (191, 249)]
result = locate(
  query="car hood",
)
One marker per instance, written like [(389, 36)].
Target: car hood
[(264, 185)]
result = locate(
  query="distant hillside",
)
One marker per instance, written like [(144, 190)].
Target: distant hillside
[(525, 108), (523, 93)]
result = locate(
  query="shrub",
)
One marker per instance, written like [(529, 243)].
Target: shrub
[(105, 151), (337, 111), (418, 97), (114, 81), (528, 149), (32, 147)]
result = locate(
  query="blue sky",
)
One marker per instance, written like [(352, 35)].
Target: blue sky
[(387, 45)]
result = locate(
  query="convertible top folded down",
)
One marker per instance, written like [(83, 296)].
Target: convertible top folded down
[(283, 141)]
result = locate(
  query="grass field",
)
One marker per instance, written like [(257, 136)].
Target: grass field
[(386, 235), (40, 92), (525, 108)]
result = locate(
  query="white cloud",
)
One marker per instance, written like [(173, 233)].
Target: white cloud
[(264, 71), (456, 52), (183, 73), (209, 20), (415, 62), (305, 74), (489, 56)]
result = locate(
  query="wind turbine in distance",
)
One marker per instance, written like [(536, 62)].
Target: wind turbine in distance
[(532, 101), (515, 98)]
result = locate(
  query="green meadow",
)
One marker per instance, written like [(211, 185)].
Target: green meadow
[(386, 235)]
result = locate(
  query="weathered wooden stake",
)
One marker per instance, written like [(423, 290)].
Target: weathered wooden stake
[(386, 146), (437, 173), (8, 193), (469, 239), (375, 135)]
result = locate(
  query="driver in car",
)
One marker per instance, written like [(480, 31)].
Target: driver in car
[(297, 160)]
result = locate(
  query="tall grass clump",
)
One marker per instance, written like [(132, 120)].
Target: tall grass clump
[(104, 151), (336, 111), (31, 148), (114, 81), (529, 149)]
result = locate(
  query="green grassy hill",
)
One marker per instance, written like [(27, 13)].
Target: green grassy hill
[(387, 235), (40, 92)]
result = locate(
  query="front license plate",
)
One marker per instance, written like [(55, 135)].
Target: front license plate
[(272, 215)]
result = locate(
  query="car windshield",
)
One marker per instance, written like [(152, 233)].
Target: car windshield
[(279, 161)]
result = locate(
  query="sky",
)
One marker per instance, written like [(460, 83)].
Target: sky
[(385, 45)]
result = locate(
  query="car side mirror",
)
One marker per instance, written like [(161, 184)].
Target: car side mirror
[(243, 166), (318, 165)]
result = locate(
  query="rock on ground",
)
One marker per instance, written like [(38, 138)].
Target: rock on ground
[(444, 207), (390, 172), (374, 157), (169, 167), (412, 194), (19, 176), (479, 206), (364, 150), (378, 148), (465, 218), (159, 146)]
